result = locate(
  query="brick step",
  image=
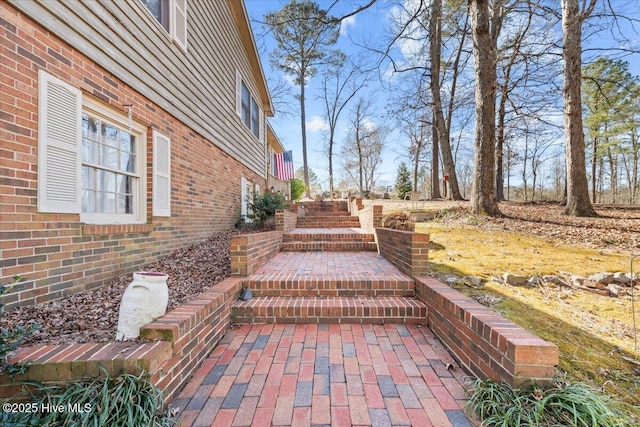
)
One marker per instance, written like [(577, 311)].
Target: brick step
[(273, 284), (328, 237), (334, 217), (372, 310), (329, 246), (328, 223)]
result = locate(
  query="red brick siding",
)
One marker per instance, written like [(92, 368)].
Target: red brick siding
[(251, 251), (182, 339), (407, 250), (56, 253), (484, 342)]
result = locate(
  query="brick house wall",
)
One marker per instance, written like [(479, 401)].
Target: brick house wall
[(56, 253)]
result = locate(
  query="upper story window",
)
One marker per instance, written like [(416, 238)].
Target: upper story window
[(248, 109), (172, 15)]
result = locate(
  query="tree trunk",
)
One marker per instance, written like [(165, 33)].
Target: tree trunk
[(578, 203), (594, 163), (304, 140), (435, 49), (483, 194), (435, 165)]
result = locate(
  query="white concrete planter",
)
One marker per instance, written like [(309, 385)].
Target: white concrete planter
[(144, 300)]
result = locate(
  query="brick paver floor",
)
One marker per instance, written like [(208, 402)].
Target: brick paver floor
[(353, 264), (326, 375)]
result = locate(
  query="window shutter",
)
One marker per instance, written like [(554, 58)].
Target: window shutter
[(262, 135), (180, 22), (238, 94), (161, 175), (257, 189), (59, 136), (243, 197)]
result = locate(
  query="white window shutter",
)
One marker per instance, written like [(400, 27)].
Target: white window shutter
[(243, 197), (238, 94), (262, 133), (59, 139), (161, 175), (180, 22), (257, 189)]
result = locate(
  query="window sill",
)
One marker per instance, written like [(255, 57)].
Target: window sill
[(90, 229)]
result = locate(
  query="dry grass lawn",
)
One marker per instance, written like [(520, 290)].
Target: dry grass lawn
[(595, 333)]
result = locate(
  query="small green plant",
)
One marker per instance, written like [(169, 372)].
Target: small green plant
[(124, 400), (566, 404), (264, 206), (297, 188), (10, 339)]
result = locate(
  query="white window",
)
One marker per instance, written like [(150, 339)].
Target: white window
[(248, 110), (172, 15), (91, 157)]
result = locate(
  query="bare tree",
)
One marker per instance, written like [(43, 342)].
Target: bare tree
[(361, 154), (441, 133), (578, 203), (485, 25), (340, 84)]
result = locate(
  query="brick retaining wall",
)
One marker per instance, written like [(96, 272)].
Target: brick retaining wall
[(485, 343), (407, 250), (251, 251), (285, 220), (180, 341)]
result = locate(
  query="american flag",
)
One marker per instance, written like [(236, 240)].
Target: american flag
[(284, 165)]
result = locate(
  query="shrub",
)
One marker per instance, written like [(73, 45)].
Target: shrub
[(125, 400), (10, 339), (264, 206), (564, 405), (297, 189)]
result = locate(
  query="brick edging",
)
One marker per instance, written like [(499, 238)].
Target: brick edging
[(484, 342)]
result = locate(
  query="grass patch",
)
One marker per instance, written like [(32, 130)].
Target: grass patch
[(593, 332), (566, 405), (125, 400)]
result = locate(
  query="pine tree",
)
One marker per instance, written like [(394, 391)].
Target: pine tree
[(403, 181)]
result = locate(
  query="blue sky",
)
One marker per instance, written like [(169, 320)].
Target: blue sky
[(370, 28)]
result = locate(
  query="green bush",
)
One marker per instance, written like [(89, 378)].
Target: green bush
[(125, 400), (297, 189), (264, 206), (564, 405), (10, 339)]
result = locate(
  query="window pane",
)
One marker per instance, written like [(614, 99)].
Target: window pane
[(160, 10), (125, 204), (106, 181), (109, 157), (110, 135), (88, 201), (90, 151), (127, 141), (123, 184), (106, 202), (255, 118), (88, 178), (246, 106)]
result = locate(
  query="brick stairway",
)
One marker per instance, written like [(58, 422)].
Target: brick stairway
[(329, 271)]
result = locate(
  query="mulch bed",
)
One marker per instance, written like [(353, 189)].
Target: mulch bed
[(92, 316)]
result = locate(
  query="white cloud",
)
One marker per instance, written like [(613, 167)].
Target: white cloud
[(346, 23), (316, 124)]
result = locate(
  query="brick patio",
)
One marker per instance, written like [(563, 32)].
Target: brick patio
[(338, 375)]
